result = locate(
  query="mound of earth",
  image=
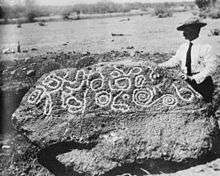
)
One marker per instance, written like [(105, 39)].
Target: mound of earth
[(117, 114)]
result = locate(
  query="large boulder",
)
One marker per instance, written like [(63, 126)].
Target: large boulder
[(116, 114)]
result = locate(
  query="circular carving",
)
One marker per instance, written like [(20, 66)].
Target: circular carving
[(169, 100), (52, 83), (103, 98), (125, 96), (186, 94), (139, 80), (36, 95), (142, 97), (72, 101), (74, 105), (115, 74), (96, 84), (136, 70), (123, 83)]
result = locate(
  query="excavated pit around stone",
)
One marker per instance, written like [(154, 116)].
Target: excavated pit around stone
[(47, 158)]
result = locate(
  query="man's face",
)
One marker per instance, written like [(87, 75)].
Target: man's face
[(190, 32)]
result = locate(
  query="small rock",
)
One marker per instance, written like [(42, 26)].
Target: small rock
[(8, 51), (33, 49), (215, 32), (13, 72), (25, 51), (27, 59), (130, 47), (216, 167), (114, 34), (30, 72), (86, 53)]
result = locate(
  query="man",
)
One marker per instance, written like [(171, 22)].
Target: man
[(195, 59)]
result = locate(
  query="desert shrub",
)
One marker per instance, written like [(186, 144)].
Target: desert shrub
[(31, 15), (214, 13), (66, 15), (163, 12), (48, 66), (203, 4), (203, 13), (215, 31)]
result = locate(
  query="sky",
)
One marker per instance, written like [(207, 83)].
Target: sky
[(71, 2)]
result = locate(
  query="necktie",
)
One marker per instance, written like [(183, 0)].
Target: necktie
[(188, 60)]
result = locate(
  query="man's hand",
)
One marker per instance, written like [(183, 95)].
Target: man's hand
[(183, 76), (189, 77)]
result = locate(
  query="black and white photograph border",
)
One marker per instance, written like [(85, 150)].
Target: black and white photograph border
[(109, 87)]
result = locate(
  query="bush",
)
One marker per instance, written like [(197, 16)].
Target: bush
[(48, 66), (203, 4), (214, 13), (203, 13), (31, 15), (215, 32), (162, 12)]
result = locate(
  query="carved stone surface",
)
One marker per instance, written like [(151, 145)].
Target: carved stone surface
[(133, 111)]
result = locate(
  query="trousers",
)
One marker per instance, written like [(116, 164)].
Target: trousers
[(205, 88)]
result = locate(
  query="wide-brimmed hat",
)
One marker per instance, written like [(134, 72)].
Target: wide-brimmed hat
[(193, 21)]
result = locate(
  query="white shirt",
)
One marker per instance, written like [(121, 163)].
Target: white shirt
[(203, 61)]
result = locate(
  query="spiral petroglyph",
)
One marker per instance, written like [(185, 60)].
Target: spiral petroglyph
[(118, 87), (103, 98), (169, 100), (142, 97), (136, 70)]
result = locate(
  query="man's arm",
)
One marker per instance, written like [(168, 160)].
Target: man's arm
[(210, 63)]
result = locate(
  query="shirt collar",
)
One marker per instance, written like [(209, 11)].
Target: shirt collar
[(194, 41)]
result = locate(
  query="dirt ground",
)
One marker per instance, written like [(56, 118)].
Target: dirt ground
[(145, 33)]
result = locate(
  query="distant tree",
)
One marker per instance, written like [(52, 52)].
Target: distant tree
[(203, 4), (213, 2), (77, 14), (66, 15), (2, 13), (2, 9), (31, 12)]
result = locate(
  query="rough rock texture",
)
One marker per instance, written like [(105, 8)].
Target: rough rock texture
[(209, 169), (116, 114), (11, 94)]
